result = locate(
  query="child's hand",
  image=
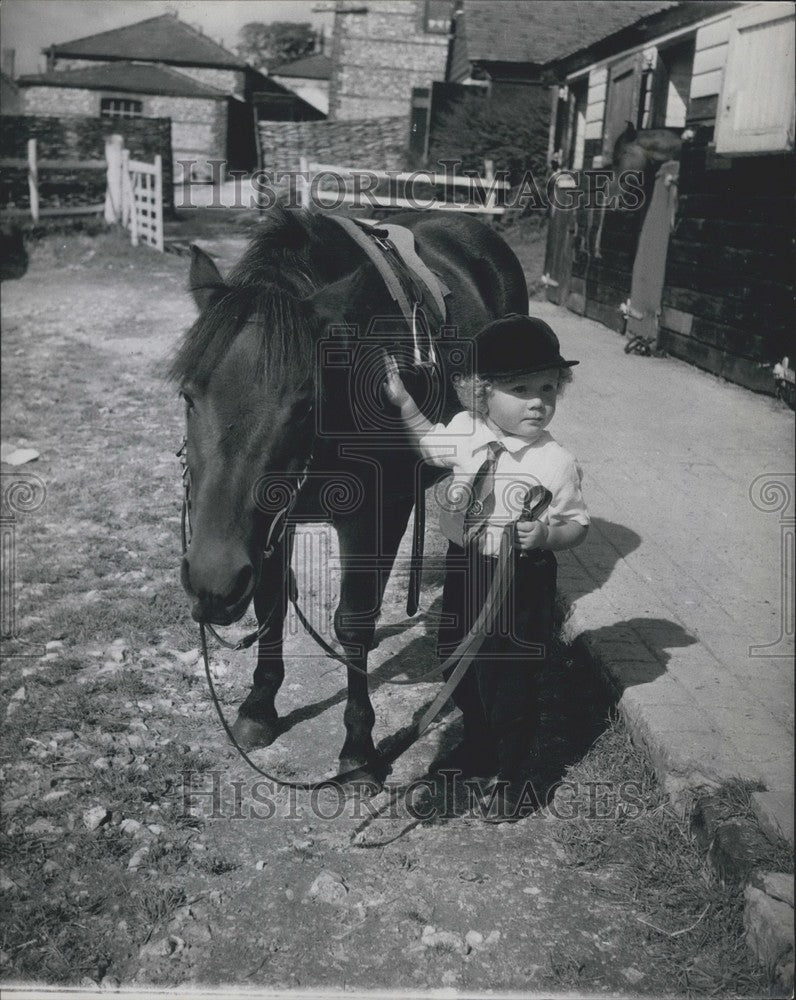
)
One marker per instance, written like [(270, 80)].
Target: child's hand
[(393, 384), (530, 535)]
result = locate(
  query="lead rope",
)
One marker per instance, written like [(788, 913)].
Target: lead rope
[(464, 653), (461, 657)]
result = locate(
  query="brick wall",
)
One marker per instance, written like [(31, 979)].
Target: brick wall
[(373, 144), (379, 56), (76, 138)]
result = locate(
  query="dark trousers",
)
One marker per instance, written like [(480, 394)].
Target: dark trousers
[(499, 694)]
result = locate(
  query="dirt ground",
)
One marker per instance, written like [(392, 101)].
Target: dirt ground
[(138, 848)]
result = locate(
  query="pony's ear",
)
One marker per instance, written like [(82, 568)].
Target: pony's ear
[(351, 298), (204, 279)]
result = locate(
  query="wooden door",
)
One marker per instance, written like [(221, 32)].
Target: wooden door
[(622, 102)]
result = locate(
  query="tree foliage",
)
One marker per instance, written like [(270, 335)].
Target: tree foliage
[(266, 46), (510, 129)]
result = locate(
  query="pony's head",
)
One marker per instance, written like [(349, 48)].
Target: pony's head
[(247, 371)]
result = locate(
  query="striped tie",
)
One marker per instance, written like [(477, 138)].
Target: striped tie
[(482, 504)]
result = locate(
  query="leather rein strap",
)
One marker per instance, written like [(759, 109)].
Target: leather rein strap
[(462, 657)]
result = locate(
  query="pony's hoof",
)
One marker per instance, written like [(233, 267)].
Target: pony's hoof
[(252, 735), (360, 776)]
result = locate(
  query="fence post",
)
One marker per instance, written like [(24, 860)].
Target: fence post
[(33, 180), (129, 213), (489, 173), (114, 198), (303, 183), (158, 206)]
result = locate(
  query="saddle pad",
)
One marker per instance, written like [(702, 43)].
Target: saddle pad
[(404, 242)]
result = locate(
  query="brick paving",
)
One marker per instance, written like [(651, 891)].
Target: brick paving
[(679, 591)]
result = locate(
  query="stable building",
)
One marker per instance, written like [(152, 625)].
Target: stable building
[(707, 275)]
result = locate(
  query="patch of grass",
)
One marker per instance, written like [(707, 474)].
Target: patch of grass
[(733, 801), (686, 919)]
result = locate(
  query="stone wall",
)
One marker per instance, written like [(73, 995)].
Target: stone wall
[(372, 144), (379, 54), (228, 81), (198, 129), (75, 138), (59, 101)]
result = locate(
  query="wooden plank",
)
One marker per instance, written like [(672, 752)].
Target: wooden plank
[(742, 371), (756, 263), (706, 84), (419, 176), (702, 110), (740, 342), (709, 35), (768, 211), (709, 60), (608, 315), (18, 163), (730, 284), (675, 319), (55, 212), (419, 204), (722, 309), (719, 232), (33, 180)]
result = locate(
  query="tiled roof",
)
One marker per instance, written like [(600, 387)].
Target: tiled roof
[(158, 39), (544, 30), (314, 67), (126, 77)]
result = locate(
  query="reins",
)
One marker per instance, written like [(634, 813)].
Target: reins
[(460, 659)]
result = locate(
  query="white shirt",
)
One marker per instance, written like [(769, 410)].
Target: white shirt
[(462, 447)]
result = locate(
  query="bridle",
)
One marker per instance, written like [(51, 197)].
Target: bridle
[(276, 532)]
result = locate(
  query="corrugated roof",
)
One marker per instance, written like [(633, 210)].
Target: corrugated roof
[(158, 39), (125, 77), (544, 30), (314, 67)]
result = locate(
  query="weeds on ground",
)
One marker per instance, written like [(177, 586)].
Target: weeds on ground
[(73, 907), (686, 918)]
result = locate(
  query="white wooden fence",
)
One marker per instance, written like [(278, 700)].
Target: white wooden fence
[(481, 194), (35, 166), (133, 193), (134, 196)]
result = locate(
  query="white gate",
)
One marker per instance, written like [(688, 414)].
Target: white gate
[(142, 200)]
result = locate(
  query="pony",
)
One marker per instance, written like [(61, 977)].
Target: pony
[(643, 152), (281, 375)]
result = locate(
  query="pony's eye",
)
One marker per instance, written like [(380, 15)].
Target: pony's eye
[(188, 400)]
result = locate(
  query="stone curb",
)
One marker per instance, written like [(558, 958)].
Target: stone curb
[(689, 760)]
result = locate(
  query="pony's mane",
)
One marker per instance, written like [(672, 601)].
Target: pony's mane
[(268, 285)]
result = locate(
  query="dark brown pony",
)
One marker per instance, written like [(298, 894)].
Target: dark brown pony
[(281, 375), (643, 152)]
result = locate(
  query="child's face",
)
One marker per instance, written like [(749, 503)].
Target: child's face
[(524, 405)]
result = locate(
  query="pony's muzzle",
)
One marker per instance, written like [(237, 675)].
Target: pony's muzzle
[(219, 598)]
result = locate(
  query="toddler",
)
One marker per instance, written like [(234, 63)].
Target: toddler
[(498, 448)]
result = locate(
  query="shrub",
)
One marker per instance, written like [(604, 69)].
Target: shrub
[(510, 128)]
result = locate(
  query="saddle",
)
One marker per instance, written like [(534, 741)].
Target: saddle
[(414, 287)]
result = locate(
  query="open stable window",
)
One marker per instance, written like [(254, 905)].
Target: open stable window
[(437, 16), (756, 105), (671, 84), (120, 107)]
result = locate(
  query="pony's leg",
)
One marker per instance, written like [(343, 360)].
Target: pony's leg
[(257, 724), (361, 593)]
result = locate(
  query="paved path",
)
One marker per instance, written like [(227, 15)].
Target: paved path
[(679, 589)]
